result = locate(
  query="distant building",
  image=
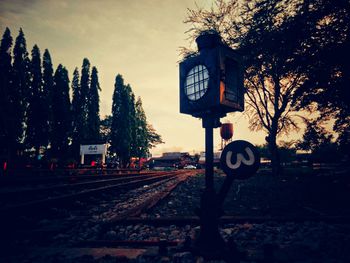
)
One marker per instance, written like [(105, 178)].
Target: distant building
[(217, 156), (171, 160)]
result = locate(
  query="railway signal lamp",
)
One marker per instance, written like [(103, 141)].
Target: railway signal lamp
[(211, 81), (211, 85)]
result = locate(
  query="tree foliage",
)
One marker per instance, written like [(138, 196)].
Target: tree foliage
[(6, 106), (93, 115), (131, 120), (78, 121), (146, 135), (37, 122), (141, 133), (20, 86), (153, 137), (319, 142), (121, 130), (47, 93), (84, 93), (105, 128), (36, 112), (329, 73), (85, 106), (282, 43), (61, 113), (314, 137), (131, 135)]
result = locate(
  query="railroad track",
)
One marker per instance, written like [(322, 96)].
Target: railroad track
[(148, 199), (70, 192), (66, 176), (11, 196), (195, 221), (149, 195), (16, 228)]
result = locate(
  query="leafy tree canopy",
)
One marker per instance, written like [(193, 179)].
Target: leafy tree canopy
[(285, 45)]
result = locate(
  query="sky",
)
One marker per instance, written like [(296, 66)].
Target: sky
[(139, 39)]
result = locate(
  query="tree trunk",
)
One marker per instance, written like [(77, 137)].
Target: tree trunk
[(275, 158)]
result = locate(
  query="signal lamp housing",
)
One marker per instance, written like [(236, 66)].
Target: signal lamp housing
[(211, 81)]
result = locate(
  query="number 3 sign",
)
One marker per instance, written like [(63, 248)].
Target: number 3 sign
[(240, 159)]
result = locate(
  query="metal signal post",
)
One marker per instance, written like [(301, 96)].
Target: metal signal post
[(209, 244)]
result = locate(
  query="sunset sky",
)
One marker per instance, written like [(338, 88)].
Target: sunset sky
[(138, 39)]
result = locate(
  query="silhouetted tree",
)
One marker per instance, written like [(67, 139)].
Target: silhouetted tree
[(314, 136), (141, 134), (84, 93), (280, 41), (319, 142), (37, 125), (6, 109), (48, 86), (61, 113), (20, 87), (93, 116), (153, 137), (77, 111), (146, 135), (131, 120), (327, 35), (116, 129), (121, 130)]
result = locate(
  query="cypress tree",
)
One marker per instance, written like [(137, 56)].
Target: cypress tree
[(131, 119), (130, 135), (128, 106), (20, 88), (48, 85), (120, 131), (37, 128), (93, 118), (61, 113), (84, 92), (146, 135), (140, 130), (6, 110), (116, 114), (77, 112)]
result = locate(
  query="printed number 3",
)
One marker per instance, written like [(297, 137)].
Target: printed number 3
[(240, 159)]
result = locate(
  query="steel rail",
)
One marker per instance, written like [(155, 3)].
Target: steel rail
[(51, 178), (149, 201), (127, 243), (69, 186), (40, 204), (194, 220)]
